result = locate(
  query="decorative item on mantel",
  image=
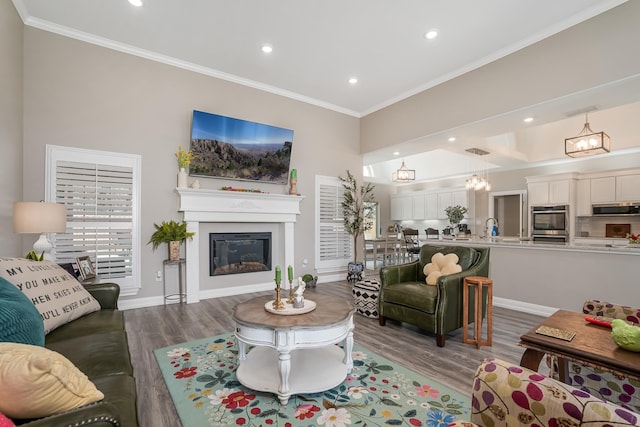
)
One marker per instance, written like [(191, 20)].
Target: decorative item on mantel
[(184, 159), (173, 233), (293, 190), (634, 239)]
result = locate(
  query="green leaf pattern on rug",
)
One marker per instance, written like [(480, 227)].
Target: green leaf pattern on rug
[(200, 376)]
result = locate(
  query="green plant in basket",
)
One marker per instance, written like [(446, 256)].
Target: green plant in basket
[(171, 231)]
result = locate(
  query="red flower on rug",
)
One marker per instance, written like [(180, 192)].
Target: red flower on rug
[(238, 400), (186, 372), (306, 411)]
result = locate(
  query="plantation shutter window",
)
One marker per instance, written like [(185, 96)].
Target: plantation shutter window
[(101, 193), (335, 245)]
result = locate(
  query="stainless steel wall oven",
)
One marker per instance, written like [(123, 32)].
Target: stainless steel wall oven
[(550, 223)]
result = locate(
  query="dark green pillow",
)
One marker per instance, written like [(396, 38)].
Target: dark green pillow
[(19, 319)]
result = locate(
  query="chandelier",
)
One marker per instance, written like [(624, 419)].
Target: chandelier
[(587, 143), (403, 174), (479, 179)]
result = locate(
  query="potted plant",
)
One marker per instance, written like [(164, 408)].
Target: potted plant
[(455, 215), (357, 217), (174, 234)]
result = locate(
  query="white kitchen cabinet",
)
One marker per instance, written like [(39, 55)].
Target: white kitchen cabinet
[(401, 208), (445, 199), (557, 192), (583, 197), (418, 207), (603, 190), (431, 205), (628, 188)]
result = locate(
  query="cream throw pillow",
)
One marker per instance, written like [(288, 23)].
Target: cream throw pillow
[(58, 296), (441, 265), (36, 382)]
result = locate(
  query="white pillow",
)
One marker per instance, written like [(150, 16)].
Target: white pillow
[(57, 295), (36, 382)]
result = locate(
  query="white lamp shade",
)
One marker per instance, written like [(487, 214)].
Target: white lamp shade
[(39, 217)]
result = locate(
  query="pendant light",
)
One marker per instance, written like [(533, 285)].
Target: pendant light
[(587, 143)]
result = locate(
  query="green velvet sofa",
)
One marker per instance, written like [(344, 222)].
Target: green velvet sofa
[(405, 296), (97, 345)]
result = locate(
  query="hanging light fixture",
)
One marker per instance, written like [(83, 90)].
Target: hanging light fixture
[(587, 143), (404, 174), (479, 180)]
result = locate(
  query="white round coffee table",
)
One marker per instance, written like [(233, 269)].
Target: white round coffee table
[(301, 346)]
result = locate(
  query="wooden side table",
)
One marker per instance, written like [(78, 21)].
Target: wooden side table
[(181, 296), (477, 283)]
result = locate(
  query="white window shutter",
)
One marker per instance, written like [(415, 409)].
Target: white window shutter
[(101, 195), (334, 243)]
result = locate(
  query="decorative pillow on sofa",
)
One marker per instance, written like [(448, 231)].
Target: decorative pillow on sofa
[(441, 265), (58, 297), (21, 322), (36, 382)]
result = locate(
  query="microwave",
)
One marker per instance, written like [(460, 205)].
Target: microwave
[(550, 222), (615, 209)]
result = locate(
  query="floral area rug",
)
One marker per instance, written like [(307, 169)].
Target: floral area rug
[(200, 376)]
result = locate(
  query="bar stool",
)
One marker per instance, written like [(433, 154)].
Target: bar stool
[(477, 282)]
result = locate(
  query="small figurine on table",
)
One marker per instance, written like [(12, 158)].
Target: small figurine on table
[(298, 299)]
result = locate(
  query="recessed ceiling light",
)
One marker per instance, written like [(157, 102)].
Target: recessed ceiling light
[(453, 138), (528, 120), (267, 48), (353, 80), (136, 3), (395, 153), (431, 34)]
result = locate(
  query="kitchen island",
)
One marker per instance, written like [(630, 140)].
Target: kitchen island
[(540, 278)]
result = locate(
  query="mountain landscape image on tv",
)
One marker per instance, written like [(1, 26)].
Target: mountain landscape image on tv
[(224, 147)]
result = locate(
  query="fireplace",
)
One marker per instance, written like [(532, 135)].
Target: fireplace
[(235, 253)]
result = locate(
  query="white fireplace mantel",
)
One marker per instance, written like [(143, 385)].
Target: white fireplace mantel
[(213, 206)]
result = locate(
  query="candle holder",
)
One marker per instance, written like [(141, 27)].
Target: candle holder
[(277, 303), (290, 301)]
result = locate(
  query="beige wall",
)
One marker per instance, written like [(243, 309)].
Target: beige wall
[(598, 51), (10, 125), (80, 95)]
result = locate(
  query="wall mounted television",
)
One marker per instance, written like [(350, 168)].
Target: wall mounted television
[(224, 147)]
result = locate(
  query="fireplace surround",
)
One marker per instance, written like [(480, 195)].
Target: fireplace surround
[(203, 206)]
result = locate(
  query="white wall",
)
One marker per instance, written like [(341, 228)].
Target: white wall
[(10, 126), (80, 95)]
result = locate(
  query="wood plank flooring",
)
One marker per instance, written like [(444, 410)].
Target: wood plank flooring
[(454, 365)]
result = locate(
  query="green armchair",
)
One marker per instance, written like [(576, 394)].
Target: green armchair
[(405, 296)]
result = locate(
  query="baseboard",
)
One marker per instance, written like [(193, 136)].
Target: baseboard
[(525, 307)]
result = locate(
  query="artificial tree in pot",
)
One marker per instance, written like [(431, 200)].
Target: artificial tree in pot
[(357, 218), (173, 233)]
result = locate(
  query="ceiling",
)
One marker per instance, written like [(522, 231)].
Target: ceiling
[(318, 46)]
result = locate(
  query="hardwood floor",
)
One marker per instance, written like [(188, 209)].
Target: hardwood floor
[(454, 365)]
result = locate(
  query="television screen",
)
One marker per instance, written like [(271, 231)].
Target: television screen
[(224, 147)]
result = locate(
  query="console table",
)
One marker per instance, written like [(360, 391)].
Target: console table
[(301, 346)]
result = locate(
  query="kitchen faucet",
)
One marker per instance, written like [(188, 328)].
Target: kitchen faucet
[(486, 226)]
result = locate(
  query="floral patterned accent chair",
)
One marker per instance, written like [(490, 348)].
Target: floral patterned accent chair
[(505, 394), (614, 388)]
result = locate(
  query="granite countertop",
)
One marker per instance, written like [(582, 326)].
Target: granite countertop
[(607, 245)]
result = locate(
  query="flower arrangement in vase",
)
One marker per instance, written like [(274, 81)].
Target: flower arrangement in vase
[(184, 159), (633, 239)]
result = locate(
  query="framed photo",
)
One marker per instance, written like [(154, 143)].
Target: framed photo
[(85, 267)]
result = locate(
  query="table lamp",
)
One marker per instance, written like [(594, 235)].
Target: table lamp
[(40, 217)]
